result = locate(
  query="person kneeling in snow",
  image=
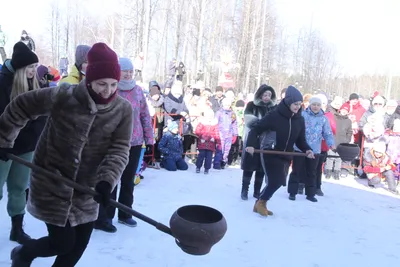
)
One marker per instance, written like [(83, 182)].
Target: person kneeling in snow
[(377, 164), (171, 148)]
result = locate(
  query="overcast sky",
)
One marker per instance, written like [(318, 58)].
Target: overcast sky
[(364, 32)]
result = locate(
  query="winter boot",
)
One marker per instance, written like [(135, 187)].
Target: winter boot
[(292, 197), (257, 188), (300, 191), (328, 174), (197, 170), (245, 187), (17, 260), (260, 207), (336, 175), (105, 226), (223, 164), (128, 222), (206, 171), (312, 199), (319, 192), (17, 233)]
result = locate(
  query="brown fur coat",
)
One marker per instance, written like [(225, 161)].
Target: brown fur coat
[(82, 141)]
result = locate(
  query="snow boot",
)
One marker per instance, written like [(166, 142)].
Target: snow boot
[(17, 260), (300, 191), (223, 165), (245, 187), (17, 233), (328, 174), (319, 192), (292, 197), (336, 175), (312, 199), (197, 170), (105, 226), (206, 171), (260, 207)]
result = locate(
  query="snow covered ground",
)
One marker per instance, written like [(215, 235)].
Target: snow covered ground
[(351, 226)]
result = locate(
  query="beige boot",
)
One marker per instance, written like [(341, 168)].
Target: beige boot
[(261, 208)]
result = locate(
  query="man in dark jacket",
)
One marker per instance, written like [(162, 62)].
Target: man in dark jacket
[(282, 129), (26, 39), (216, 100)]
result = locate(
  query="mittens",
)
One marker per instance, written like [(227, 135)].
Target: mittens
[(3, 155), (103, 196)]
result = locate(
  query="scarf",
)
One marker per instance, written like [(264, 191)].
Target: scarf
[(126, 85), (98, 99)]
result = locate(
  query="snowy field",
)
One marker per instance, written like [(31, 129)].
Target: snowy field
[(350, 226)]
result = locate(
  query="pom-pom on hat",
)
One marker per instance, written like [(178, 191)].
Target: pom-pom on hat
[(102, 63)]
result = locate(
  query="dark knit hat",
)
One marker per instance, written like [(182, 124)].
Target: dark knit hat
[(22, 56), (354, 96), (81, 54), (102, 63), (239, 103), (219, 89), (292, 96)]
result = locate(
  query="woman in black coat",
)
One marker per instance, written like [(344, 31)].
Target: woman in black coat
[(264, 102), (18, 76), (279, 130)]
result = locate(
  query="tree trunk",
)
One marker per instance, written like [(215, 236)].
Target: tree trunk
[(187, 29), (200, 35), (262, 44)]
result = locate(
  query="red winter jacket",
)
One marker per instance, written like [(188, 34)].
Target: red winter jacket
[(373, 165), (206, 130), (332, 123)]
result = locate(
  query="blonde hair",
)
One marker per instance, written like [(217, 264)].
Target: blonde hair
[(20, 83)]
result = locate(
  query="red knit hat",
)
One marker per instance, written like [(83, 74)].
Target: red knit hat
[(102, 63), (345, 106)]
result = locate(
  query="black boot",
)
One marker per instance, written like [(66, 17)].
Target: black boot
[(106, 226), (17, 233), (17, 260), (245, 187), (300, 191)]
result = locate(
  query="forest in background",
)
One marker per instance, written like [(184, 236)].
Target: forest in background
[(203, 34)]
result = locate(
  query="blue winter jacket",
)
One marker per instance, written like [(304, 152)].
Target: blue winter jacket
[(317, 128), (171, 146)]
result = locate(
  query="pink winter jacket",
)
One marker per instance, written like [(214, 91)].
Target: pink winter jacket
[(142, 127)]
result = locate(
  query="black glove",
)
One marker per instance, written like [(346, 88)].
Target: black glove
[(103, 196), (3, 154)]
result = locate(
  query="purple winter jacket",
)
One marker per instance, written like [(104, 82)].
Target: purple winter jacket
[(227, 123), (142, 127)]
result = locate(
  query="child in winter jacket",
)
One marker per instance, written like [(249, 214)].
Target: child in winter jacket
[(237, 146), (208, 132), (343, 133), (171, 148), (377, 164), (228, 133), (316, 127)]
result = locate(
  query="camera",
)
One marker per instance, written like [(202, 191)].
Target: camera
[(48, 77)]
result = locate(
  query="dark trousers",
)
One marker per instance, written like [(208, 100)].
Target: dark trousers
[(174, 165), (321, 160), (276, 170), (67, 243), (309, 176), (127, 186), (206, 157)]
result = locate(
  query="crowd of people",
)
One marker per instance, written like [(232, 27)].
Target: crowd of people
[(92, 124)]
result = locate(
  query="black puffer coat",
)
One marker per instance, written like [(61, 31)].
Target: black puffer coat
[(29, 135), (289, 129), (254, 111)]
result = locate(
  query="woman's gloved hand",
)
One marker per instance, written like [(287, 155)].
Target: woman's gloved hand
[(103, 196)]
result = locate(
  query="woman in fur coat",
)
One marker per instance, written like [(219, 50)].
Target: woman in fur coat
[(86, 139), (264, 102)]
